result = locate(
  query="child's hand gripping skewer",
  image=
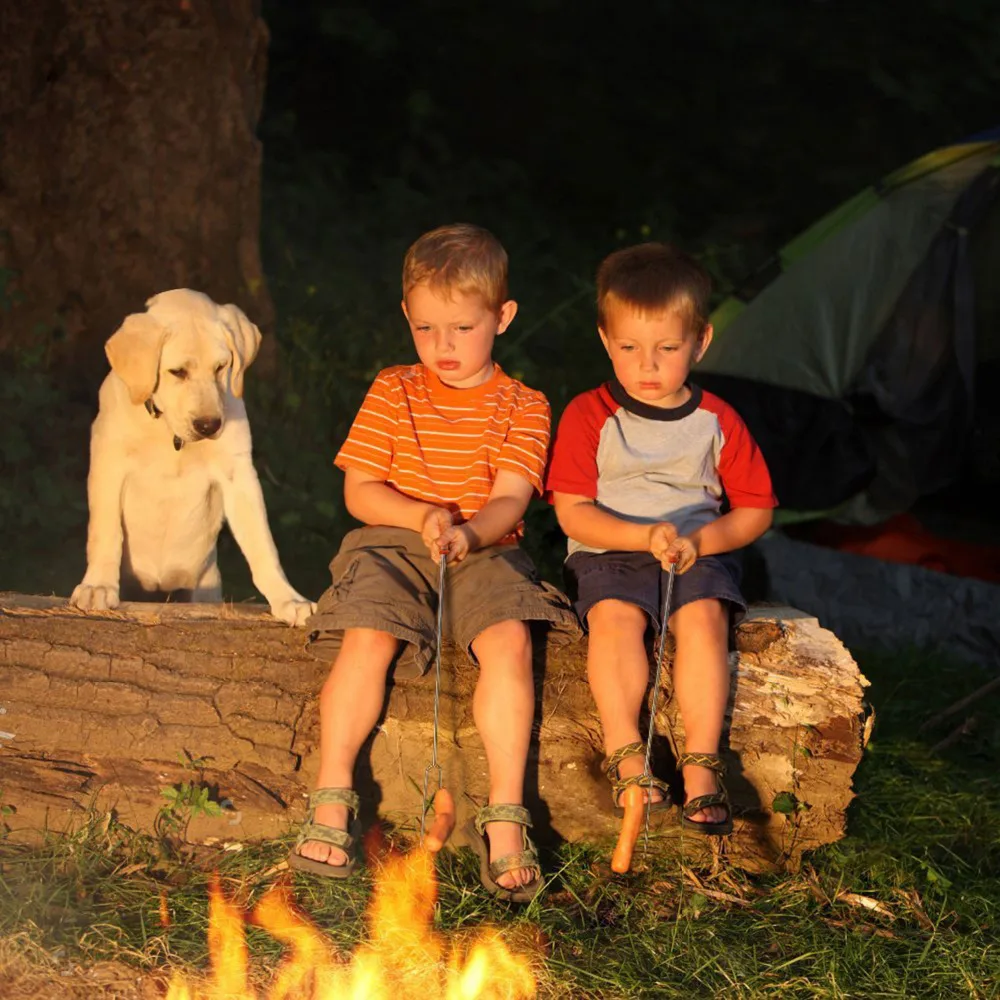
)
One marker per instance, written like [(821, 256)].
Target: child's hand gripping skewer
[(444, 805), (636, 799)]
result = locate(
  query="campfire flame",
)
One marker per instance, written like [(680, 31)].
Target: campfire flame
[(403, 959)]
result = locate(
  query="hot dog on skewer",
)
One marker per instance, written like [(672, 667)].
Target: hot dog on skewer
[(444, 821)]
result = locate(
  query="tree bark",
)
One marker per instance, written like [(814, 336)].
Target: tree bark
[(128, 164), (104, 711)]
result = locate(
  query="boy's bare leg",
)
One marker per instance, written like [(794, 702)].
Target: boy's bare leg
[(349, 707), (618, 671), (503, 707), (701, 685)]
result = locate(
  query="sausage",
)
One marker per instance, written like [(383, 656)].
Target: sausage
[(444, 821), (634, 801)]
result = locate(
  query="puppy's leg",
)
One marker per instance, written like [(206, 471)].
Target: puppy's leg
[(99, 588), (243, 503)]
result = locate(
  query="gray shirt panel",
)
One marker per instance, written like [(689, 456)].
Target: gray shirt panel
[(659, 470)]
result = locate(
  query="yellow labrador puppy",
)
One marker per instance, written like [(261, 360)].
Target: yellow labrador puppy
[(170, 457)]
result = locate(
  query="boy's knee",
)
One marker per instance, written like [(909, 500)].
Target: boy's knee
[(618, 617), (709, 614), (511, 639), (368, 644)]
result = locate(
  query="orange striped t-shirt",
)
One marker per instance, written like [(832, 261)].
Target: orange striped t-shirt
[(444, 445)]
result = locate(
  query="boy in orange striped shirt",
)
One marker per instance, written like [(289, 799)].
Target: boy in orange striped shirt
[(441, 462)]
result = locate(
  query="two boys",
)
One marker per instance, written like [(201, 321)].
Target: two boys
[(442, 461)]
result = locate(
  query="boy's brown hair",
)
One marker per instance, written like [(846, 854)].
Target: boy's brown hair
[(655, 278), (460, 256)]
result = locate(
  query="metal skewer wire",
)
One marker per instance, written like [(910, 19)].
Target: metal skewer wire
[(434, 765), (646, 770)]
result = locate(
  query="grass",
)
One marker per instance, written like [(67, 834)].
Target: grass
[(908, 905)]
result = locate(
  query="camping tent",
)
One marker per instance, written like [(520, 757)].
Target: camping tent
[(854, 354)]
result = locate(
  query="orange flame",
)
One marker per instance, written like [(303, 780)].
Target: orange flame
[(403, 959)]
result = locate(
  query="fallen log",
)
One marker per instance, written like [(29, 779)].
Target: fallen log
[(106, 711)]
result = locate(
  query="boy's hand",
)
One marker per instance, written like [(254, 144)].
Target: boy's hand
[(455, 542), (437, 521), (682, 552), (672, 549), (661, 537)]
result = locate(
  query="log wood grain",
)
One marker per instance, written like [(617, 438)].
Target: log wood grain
[(102, 711)]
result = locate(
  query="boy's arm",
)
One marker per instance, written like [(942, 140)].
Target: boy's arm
[(373, 501), (734, 530), (582, 520), (498, 517)]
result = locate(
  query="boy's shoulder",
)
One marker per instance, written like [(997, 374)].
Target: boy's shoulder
[(597, 398), (397, 375), (514, 388), (595, 404), (399, 382)]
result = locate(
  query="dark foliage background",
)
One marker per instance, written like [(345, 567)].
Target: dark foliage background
[(568, 129)]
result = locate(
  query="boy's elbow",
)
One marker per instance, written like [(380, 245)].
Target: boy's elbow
[(353, 499), (351, 504), (563, 513), (764, 520)]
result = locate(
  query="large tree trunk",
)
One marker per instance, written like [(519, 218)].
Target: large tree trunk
[(128, 163), (99, 709)]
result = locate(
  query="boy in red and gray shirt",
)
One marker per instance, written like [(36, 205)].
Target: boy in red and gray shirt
[(649, 471)]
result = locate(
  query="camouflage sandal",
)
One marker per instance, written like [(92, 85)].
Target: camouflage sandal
[(619, 784), (311, 830), (490, 871), (720, 798)]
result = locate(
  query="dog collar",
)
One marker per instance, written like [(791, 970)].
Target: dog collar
[(154, 411)]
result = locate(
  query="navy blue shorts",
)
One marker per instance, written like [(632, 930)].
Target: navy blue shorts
[(638, 578)]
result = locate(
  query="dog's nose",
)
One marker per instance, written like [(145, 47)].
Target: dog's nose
[(206, 426)]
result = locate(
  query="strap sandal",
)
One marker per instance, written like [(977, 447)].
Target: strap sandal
[(490, 871), (311, 830), (720, 798), (619, 784)]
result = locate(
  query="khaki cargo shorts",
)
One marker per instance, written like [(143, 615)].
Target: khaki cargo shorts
[(384, 578)]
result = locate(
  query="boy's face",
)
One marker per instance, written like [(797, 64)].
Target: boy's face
[(454, 332), (652, 355)]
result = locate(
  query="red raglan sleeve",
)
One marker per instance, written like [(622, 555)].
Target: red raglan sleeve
[(573, 466), (742, 468)]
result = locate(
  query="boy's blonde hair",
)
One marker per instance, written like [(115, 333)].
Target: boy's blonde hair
[(460, 256), (654, 278)]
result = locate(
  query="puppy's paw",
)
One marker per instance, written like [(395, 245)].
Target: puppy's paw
[(293, 610), (95, 597)]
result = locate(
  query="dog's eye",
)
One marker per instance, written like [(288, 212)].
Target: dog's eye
[(180, 373), (219, 369)]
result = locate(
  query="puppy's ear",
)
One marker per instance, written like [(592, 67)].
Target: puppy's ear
[(243, 339), (133, 352)]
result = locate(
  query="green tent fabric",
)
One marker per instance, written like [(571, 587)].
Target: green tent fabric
[(860, 339)]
